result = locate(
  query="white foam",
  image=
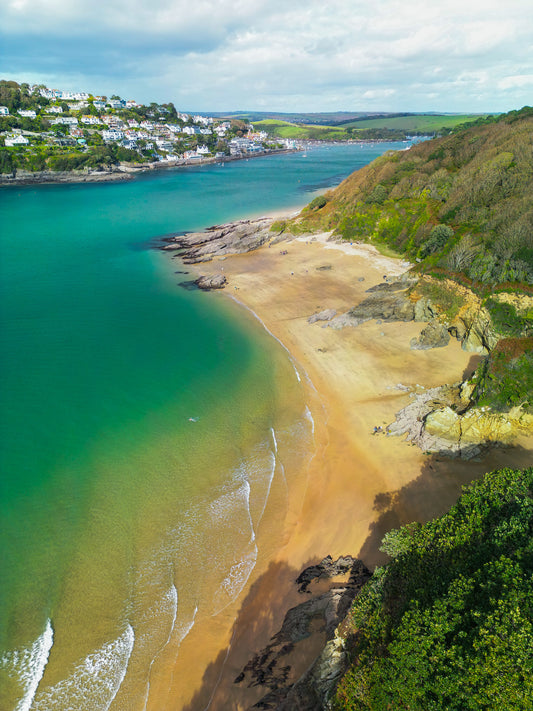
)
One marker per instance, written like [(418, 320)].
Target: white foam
[(94, 682), (274, 440), (309, 416), (27, 665), (293, 362), (234, 582), (169, 599)]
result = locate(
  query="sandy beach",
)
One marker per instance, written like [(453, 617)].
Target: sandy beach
[(358, 484)]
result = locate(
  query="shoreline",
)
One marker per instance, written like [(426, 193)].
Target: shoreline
[(359, 485), (123, 173)]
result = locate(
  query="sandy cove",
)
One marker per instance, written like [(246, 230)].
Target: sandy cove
[(359, 484)]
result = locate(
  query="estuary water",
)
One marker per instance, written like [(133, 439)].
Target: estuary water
[(147, 432)]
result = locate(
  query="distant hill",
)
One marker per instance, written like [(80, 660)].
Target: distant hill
[(326, 118), (417, 123), (344, 126)]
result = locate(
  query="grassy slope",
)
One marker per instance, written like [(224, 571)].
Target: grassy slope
[(420, 122), (284, 129), (396, 126)]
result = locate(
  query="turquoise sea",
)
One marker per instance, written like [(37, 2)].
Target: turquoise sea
[(145, 430)]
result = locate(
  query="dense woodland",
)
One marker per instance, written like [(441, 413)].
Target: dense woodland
[(448, 623)]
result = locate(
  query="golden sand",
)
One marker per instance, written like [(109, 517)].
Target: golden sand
[(359, 484)]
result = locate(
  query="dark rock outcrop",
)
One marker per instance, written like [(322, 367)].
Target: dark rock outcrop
[(213, 281), (271, 667), (389, 301), (434, 335)]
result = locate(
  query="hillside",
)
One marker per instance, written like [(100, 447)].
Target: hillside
[(417, 123), (459, 204)]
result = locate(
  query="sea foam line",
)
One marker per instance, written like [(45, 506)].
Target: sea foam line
[(293, 362), (172, 596), (28, 665)]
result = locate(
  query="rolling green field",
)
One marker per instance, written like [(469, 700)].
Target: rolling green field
[(421, 122), (284, 129), (392, 127)]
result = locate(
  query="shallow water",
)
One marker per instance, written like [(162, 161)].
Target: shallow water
[(143, 427)]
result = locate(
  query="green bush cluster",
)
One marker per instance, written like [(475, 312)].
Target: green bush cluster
[(448, 623), (507, 321), (505, 379)]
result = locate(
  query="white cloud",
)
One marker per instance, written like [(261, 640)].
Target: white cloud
[(221, 54)]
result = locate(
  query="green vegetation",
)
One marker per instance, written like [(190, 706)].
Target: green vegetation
[(393, 127), (459, 205), (507, 321), (283, 129), (505, 379), (448, 623), (444, 294), (416, 123)]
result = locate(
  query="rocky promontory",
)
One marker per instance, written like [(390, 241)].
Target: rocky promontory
[(222, 240)]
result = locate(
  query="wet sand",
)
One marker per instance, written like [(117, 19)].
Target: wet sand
[(358, 484)]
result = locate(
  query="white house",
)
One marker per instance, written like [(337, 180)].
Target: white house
[(130, 104), (164, 145), (27, 113), (19, 140), (53, 110), (202, 150), (78, 105), (4, 111), (112, 134), (132, 123), (98, 104), (73, 95), (91, 120), (65, 120)]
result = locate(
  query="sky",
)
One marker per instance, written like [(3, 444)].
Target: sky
[(278, 55)]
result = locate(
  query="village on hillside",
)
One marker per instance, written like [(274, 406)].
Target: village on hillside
[(53, 129)]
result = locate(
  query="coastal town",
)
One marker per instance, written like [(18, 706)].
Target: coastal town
[(43, 129)]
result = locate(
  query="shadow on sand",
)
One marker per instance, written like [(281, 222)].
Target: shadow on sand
[(225, 687)]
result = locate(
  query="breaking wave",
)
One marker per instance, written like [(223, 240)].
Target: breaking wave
[(27, 665), (94, 682)]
